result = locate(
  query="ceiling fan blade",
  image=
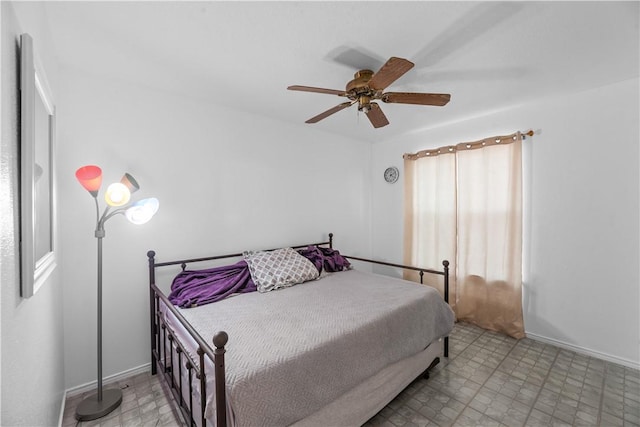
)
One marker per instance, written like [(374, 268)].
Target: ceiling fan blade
[(318, 90), (329, 112), (437, 99), (391, 71), (376, 116)]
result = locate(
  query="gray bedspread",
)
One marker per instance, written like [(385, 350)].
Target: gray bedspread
[(294, 350)]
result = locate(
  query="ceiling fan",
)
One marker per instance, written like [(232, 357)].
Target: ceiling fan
[(368, 86)]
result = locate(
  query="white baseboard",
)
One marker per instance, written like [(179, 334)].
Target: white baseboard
[(74, 391), (62, 405), (585, 351)]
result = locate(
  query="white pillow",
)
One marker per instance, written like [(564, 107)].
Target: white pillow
[(280, 268)]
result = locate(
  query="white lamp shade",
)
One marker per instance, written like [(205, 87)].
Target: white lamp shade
[(142, 211)]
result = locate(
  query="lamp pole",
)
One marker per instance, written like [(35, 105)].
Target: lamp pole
[(104, 401), (99, 235)]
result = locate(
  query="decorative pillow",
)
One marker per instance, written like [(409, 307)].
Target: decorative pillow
[(280, 268)]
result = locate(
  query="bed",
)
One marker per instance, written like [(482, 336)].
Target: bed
[(333, 350)]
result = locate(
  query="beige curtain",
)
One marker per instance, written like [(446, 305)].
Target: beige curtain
[(430, 218), (479, 212)]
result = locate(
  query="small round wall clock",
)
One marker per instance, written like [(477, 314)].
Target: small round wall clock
[(391, 174)]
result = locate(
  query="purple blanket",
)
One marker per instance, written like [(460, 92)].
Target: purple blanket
[(192, 288), (199, 287), (325, 258)]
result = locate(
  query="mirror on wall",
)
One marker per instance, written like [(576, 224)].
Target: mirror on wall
[(37, 131)]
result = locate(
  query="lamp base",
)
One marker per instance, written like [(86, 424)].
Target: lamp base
[(91, 408)]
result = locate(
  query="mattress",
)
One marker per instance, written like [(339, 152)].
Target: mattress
[(293, 351)]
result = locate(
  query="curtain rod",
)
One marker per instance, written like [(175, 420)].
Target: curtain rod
[(505, 139)]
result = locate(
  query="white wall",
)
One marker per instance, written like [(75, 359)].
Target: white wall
[(582, 229), (227, 181), (32, 388), (4, 189)]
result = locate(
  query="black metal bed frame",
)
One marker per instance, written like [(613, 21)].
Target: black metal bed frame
[(162, 337)]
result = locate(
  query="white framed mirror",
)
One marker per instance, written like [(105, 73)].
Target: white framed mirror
[(37, 213)]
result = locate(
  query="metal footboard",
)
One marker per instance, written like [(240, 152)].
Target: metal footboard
[(169, 357)]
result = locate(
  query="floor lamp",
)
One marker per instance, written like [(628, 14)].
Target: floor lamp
[(117, 196)]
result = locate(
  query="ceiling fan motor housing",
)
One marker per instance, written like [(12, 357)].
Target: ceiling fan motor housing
[(360, 82), (358, 89)]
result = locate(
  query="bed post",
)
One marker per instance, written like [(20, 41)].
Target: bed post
[(203, 385), (152, 308), (331, 240), (219, 341), (445, 263)]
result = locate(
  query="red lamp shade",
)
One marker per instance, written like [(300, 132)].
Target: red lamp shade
[(91, 178)]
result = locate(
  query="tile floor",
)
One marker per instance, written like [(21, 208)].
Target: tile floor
[(488, 380), (145, 402)]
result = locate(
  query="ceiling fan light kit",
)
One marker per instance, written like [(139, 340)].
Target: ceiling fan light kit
[(368, 86)]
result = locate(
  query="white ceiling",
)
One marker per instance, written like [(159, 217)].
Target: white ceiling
[(487, 55)]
